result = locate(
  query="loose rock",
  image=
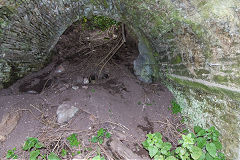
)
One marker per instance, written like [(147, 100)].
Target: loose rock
[(65, 112)]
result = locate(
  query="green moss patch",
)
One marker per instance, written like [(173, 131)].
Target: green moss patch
[(212, 90)]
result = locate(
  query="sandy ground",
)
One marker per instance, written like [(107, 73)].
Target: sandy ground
[(115, 100)]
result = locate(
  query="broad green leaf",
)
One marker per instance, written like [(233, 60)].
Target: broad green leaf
[(171, 158), (100, 140), (30, 143), (150, 136), (159, 157), (94, 139), (145, 144), (201, 133), (158, 135), (159, 143), (64, 152), (218, 145), (216, 133), (201, 142), (11, 154), (34, 154), (197, 129), (211, 129), (209, 157), (167, 146), (73, 140), (203, 156), (187, 139), (108, 135), (39, 145), (196, 152), (100, 132), (185, 131), (211, 148), (214, 138), (53, 156), (180, 150), (152, 151), (164, 151)]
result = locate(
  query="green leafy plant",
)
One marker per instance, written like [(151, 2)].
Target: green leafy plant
[(11, 154), (98, 22), (176, 108), (53, 156), (200, 145), (33, 146), (101, 134), (72, 139), (63, 152)]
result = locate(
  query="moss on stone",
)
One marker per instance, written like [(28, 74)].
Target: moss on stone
[(220, 79), (212, 90), (100, 3), (176, 60), (200, 72)]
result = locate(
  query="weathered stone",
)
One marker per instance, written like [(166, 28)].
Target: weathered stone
[(142, 65), (193, 46), (65, 112)]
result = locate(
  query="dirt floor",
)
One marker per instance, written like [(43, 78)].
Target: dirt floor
[(106, 92)]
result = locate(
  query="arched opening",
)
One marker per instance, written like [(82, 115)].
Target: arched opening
[(89, 84), (192, 46)]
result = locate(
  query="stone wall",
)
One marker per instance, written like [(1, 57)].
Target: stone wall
[(192, 46)]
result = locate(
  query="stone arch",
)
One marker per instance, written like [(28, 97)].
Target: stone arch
[(192, 46)]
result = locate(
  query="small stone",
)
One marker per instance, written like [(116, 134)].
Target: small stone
[(75, 87), (85, 81), (65, 112), (85, 87), (60, 69)]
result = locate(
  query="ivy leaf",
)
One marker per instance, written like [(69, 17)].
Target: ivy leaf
[(211, 130), (171, 158), (196, 152), (152, 151), (197, 129), (159, 143), (30, 143), (53, 156), (39, 145), (201, 133), (34, 154), (100, 132), (218, 145), (73, 140), (145, 144), (180, 151), (203, 156), (100, 140), (201, 142), (187, 139), (158, 135), (159, 157), (94, 139), (64, 152), (208, 157), (108, 135), (167, 146), (211, 148)]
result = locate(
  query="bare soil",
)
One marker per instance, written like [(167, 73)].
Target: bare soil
[(113, 99)]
